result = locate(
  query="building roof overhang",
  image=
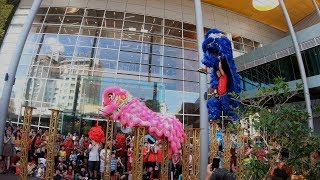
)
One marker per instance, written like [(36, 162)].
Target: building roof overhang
[(297, 9)]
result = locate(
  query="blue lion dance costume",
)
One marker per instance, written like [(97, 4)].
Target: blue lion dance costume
[(217, 44)]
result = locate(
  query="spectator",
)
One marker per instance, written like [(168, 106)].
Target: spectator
[(73, 156), (216, 173), (2, 165), (58, 175), (17, 141), (40, 173), (69, 174), (15, 160), (68, 144), (62, 153), (7, 148), (86, 143), (113, 166), (104, 157), (83, 175), (94, 149)]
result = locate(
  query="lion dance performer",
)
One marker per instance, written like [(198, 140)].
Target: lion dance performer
[(120, 105), (224, 77)]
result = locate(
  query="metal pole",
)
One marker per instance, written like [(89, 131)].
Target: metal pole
[(317, 7), (300, 63), (11, 74), (203, 88)]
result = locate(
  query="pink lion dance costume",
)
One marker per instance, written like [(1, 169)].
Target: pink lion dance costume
[(120, 105)]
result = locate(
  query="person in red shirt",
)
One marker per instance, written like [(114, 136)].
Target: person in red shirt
[(68, 144), (152, 158), (159, 156), (146, 151), (86, 143), (223, 81)]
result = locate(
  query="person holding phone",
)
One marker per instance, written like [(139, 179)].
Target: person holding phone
[(216, 173), (94, 160)]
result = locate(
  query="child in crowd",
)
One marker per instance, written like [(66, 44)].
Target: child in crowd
[(113, 165), (58, 175), (69, 174), (2, 165), (62, 153), (40, 173), (73, 156), (83, 175)]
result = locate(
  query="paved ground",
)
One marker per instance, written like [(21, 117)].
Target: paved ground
[(11, 177)]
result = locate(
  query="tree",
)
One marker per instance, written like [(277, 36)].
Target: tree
[(281, 126), (7, 9)]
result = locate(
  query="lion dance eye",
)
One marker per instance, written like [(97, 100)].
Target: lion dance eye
[(110, 96)]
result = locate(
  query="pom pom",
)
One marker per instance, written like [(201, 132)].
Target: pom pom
[(96, 134)]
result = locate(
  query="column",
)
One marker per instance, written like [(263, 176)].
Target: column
[(203, 89), (316, 7), (11, 74), (300, 63)]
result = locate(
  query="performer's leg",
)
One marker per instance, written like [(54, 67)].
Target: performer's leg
[(214, 109)]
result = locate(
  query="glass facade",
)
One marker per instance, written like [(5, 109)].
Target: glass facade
[(73, 54), (286, 67)]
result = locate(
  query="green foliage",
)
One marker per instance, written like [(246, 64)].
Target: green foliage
[(254, 168), (154, 105), (7, 9), (283, 125)]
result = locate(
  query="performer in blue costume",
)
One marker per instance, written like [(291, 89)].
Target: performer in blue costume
[(224, 80)]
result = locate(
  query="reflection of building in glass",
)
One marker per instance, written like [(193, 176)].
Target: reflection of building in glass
[(148, 48)]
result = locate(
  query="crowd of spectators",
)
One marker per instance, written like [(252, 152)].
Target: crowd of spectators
[(78, 157)]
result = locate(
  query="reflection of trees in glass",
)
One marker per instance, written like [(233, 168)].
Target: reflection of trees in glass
[(154, 105), (7, 8)]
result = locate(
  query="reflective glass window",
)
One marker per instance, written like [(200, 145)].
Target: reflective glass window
[(173, 42), (151, 70), (131, 46), (42, 10), (114, 15), (107, 54), (191, 121), (90, 21), (123, 67), (191, 76), (55, 10), (89, 31), (52, 19), (50, 29), (67, 50), (127, 35), (110, 33), (70, 29), (85, 41), (134, 17), (172, 32), (109, 43), (94, 13), (72, 20), (172, 23), (84, 52), (67, 39), (129, 57), (173, 62), (153, 29), (190, 54), (173, 73), (111, 23), (151, 59), (150, 38), (153, 20), (132, 26), (190, 35), (103, 65), (73, 11), (172, 51), (191, 65), (190, 45), (152, 48), (189, 27)]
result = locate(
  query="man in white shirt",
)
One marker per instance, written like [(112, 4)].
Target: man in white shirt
[(94, 149), (103, 157)]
